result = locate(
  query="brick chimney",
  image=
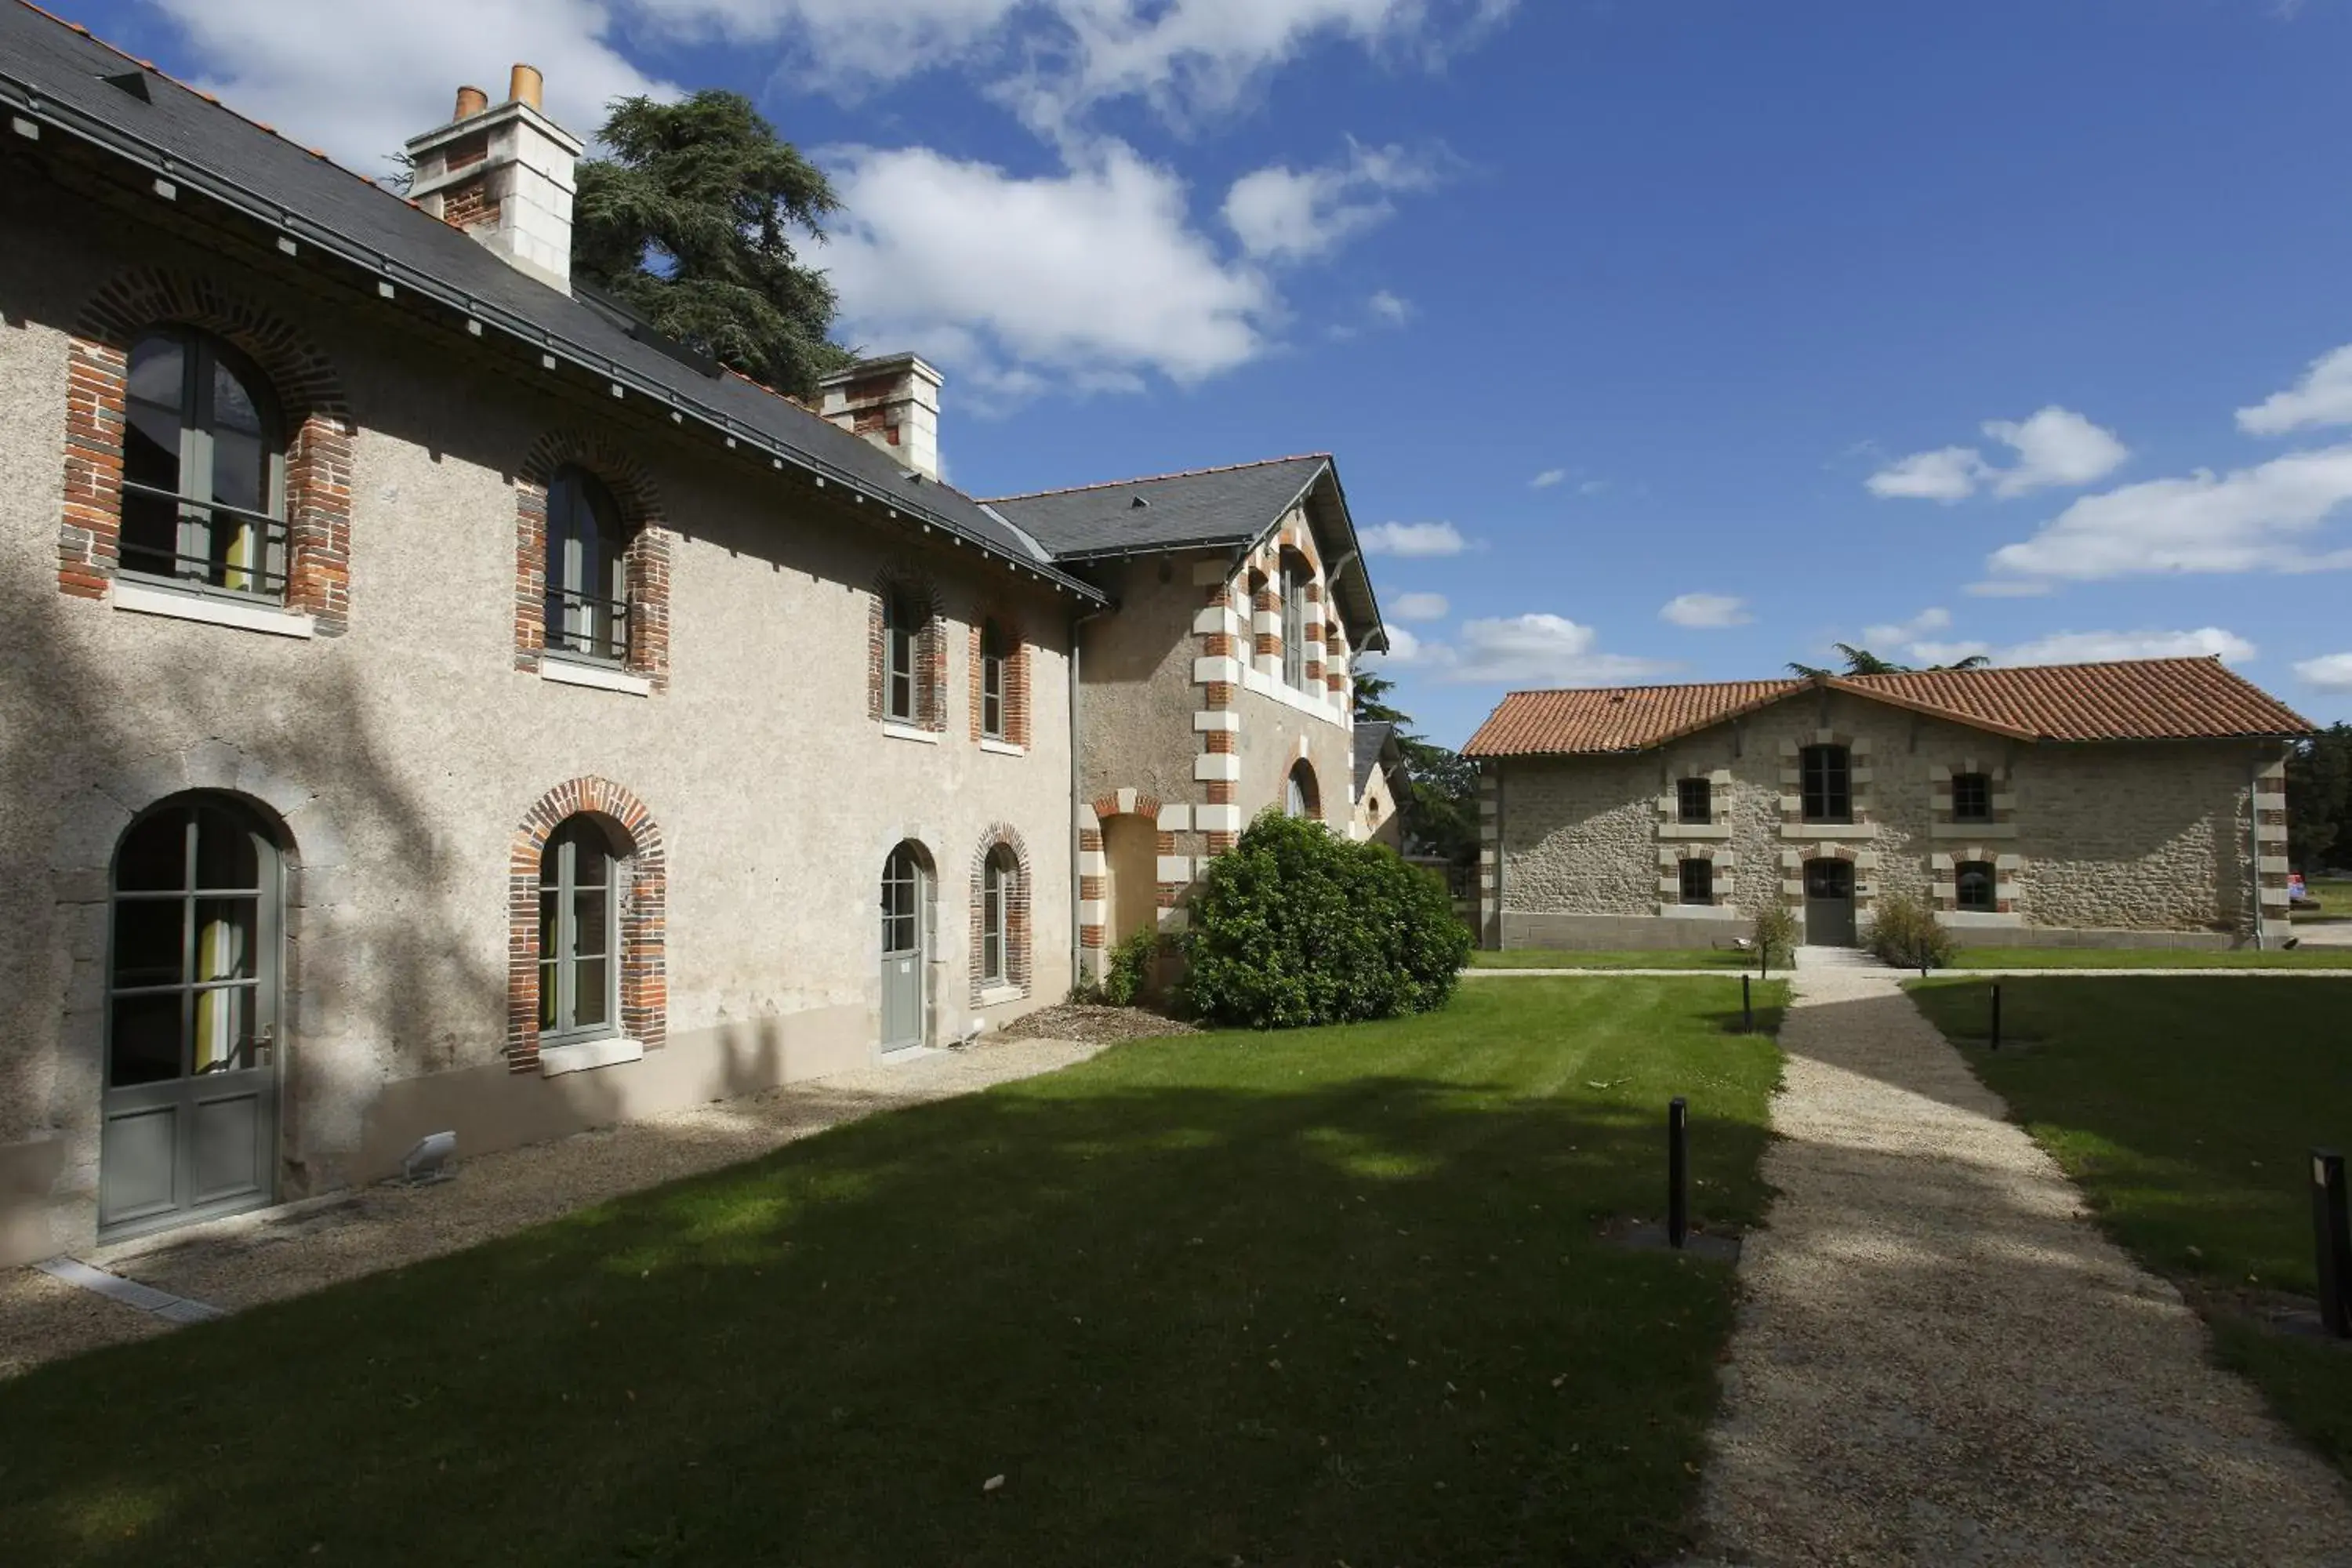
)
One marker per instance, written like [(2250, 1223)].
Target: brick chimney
[(503, 175), (894, 402)]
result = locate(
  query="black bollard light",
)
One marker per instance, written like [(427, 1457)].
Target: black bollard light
[(1677, 1171), (2331, 1224), (1746, 1005), (1996, 1015)]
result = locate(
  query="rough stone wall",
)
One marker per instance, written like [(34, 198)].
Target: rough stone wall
[(2147, 837), (777, 796)]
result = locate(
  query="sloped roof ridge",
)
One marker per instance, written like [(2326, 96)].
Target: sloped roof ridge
[(1158, 478), (222, 105)]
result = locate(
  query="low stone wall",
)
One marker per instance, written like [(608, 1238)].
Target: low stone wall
[(1617, 933), (2074, 936)]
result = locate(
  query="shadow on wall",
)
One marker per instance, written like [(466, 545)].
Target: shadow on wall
[(374, 986)]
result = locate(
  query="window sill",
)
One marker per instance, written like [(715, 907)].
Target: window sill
[(554, 1061), (1694, 830), (601, 676), (1829, 830), (1972, 830), (1002, 748), (893, 729), (148, 599)]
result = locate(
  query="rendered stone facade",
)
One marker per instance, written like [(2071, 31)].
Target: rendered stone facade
[(2129, 842)]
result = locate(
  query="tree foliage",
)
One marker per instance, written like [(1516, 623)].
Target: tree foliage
[(1296, 926), (1862, 661), (2319, 801), (1440, 799), (693, 222)]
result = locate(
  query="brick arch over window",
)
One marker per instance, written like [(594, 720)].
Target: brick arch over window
[(1017, 923), (930, 645), (302, 381), (637, 838), (632, 490), (1016, 675)]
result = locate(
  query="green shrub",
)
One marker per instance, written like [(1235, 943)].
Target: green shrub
[(1128, 973), (1297, 926), (1905, 932), (1776, 938)]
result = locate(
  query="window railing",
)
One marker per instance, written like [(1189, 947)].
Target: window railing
[(261, 575), (588, 626)]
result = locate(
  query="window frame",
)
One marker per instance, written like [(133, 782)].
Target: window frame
[(902, 630), (1825, 774), (570, 612), (1701, 871), (998, 875), (1978, 786), (1984, 871), (196, 416), (1294, 626), (995, 683), (564, 843), (1704, 790)]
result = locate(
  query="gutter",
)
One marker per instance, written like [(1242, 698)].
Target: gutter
[(31, 111)]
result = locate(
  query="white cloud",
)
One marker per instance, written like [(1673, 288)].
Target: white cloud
[(2250, 520), (2323, 396), (2329, 672), (2052, 446), (1413, 539), (2096, 648), (1284, 215), (2007, 588), (1419, 607), (1705, 611), (1538, 650), (1091, 276), (1390, 308), (380, 74), (1404, 646), (1887, 635), (1547, 479), (1947, 475)]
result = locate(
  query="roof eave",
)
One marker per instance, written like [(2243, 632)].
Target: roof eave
[(26, 102)]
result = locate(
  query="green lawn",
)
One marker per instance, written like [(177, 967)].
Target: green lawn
[(2186, 1110), (1331, 1296), (2335, 896), (2151, 958), (1560, 958)]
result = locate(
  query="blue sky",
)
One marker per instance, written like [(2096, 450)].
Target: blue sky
[(1676, 339)]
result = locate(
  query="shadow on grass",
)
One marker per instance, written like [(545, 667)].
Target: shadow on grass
[(1196, 1300)]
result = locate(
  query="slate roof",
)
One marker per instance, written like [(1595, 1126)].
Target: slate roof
[(52, 74), (2137, 700), (1371, 740), (1207, 505)]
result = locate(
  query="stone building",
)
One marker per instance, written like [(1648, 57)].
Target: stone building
[(432, 699), (2139, 802)]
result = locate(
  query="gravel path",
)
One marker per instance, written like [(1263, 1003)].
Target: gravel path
[(1941, 1361), (290, 1251)]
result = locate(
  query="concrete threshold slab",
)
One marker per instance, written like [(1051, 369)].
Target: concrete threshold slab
[(129, 1292)]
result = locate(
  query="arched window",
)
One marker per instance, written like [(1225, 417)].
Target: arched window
[(579, 934), (1975, 883), (1000, 880), (204, 468), (995, 656), (1302, 798), (902, 628), (587, 567), (1828, 776)]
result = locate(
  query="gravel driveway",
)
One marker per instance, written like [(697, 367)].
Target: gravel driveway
[(286, 1252), (1941, 1361)]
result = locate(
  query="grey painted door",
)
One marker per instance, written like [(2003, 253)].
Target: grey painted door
[(903, 902), (1828, 904), (189, 1116)]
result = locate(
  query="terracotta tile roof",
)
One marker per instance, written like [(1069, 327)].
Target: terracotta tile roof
[(2141, 700)]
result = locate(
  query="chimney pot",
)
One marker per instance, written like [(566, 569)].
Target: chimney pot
[(504, 174), (526, 85), (471, 101)]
